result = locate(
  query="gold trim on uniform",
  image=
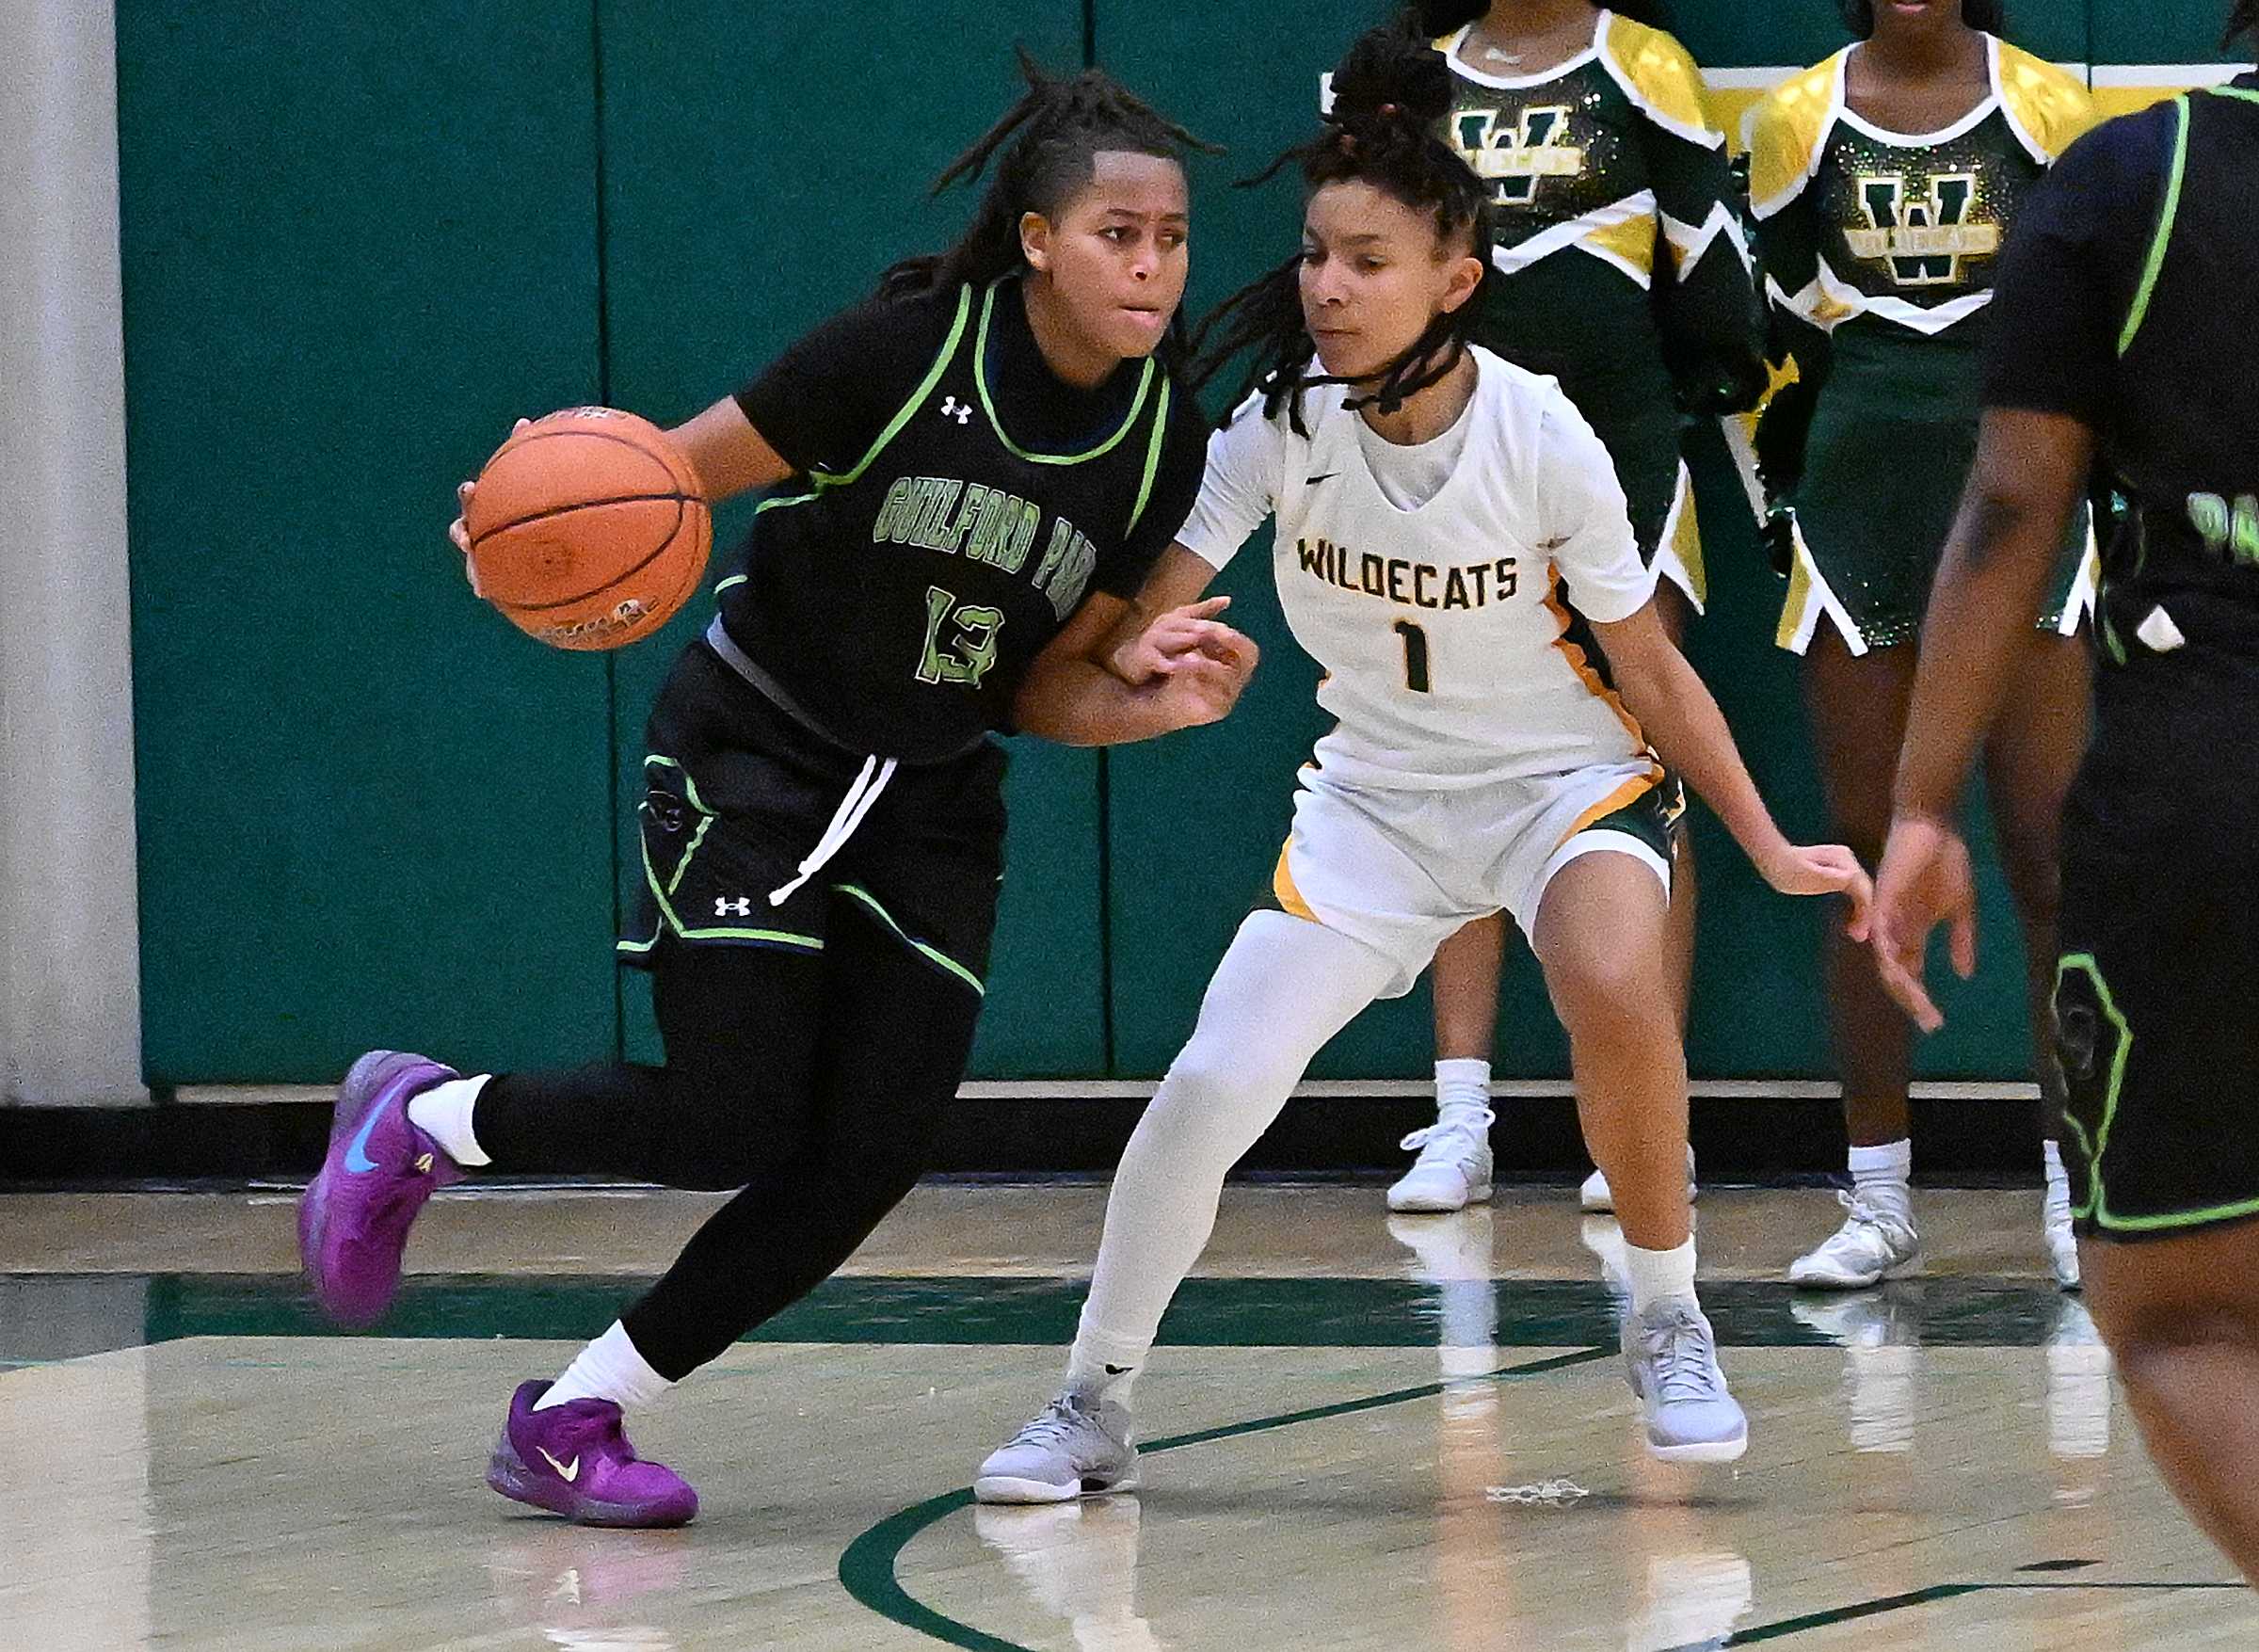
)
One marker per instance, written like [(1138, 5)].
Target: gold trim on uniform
[(1282, 888), (1631, 242), (2047, 108), (1787, 132), (1661, 78)]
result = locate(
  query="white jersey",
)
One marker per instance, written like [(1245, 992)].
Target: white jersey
[(1441, 624)]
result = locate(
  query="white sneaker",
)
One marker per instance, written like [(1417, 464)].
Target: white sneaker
[(1670, 1360), (1594, 1197), (1453, 1167), (1877, 1241), (1078, 1447), (2062, 1245)]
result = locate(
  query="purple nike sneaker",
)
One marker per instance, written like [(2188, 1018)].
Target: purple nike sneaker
[(574, 1460), (354, 1220)]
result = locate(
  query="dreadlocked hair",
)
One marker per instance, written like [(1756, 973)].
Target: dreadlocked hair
[(1859, 16), (1431, 20), (2240, 22), (1390, 95), (1049, 141)]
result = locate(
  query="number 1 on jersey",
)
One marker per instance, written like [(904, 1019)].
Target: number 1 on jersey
[(1416, 656)]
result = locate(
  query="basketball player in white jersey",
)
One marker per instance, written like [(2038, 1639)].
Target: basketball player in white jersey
[(1438, 510)]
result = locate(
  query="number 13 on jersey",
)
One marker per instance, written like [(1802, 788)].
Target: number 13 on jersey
[(960, 639)]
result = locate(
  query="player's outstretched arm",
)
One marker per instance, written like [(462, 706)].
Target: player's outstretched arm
[(1120, 671), (1688, 731)]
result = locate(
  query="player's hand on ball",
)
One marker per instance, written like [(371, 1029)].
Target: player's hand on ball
[(459, 531)]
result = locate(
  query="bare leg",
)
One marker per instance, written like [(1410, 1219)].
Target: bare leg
[(1601, 938), (2030, 759), (2182, 1317), (1672, 608), (1856, 708), (1467, 989)]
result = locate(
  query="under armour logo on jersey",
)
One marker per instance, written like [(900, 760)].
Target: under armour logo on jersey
[(953, 408), (724, 907)]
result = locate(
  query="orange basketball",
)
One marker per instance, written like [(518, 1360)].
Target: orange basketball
[(587, 529)]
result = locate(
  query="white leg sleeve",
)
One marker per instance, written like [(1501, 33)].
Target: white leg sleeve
[(1285, 987)]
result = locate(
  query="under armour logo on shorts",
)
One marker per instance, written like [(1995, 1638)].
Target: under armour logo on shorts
[(953, 408), (725, 907)]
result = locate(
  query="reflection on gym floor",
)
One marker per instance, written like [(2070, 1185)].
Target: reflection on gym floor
[(1428, 1444)]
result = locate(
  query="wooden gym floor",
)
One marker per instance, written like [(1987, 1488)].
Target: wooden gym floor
[(1362, 1432)]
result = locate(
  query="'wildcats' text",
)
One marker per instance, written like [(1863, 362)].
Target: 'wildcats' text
[(1416, 585)]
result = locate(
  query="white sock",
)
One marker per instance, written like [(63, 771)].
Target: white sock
[(1657, 1274), (1104, 1366), (1888, 1167), (1464, 1082), (608, 1369), (443, 1113), (2051, 1156)]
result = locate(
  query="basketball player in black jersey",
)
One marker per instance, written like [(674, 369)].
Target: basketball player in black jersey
[(974, 471), (2126, 333)]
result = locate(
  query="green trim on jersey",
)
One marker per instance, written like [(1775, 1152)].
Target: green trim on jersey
[(980, 385), (932, 955), (825, 480), (1154, 445), (2166, 215)]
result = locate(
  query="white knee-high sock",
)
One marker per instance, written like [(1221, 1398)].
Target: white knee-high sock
[(443, 1113), (611, 1369), (1285, 987)]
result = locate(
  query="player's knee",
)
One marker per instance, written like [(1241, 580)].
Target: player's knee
[(1609, 994), (719, 1134)]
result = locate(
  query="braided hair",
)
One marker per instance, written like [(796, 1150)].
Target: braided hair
[(1050, 141), (2240, 22), (1431, 20), (1389, 94), (1859, 16)]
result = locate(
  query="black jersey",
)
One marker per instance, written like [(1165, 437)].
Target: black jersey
[(2128, 305), (895, 594)]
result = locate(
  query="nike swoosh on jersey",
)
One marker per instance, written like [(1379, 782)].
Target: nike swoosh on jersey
[(1321, 476), (567, 1471)]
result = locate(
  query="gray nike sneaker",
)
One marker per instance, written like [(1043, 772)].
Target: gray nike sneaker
[(1670, 1360), (1078, 1447)]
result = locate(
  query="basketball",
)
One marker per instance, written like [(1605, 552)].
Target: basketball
[(587, 529)]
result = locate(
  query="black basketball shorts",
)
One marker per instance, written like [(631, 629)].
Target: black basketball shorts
[(2157, 1003), (737, 793)]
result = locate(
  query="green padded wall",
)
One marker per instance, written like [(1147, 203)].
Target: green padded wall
[(356, 241), (359, 241), (760, 172)]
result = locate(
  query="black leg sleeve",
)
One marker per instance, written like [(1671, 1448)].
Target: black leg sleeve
[(895, 1037), (741, 1028)]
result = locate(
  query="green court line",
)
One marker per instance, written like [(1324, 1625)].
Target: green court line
[(1936, 1592), (867, 1567)]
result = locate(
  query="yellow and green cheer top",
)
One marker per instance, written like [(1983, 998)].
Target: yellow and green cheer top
[(1604, 174), (1610, 154), (1906, 228)]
